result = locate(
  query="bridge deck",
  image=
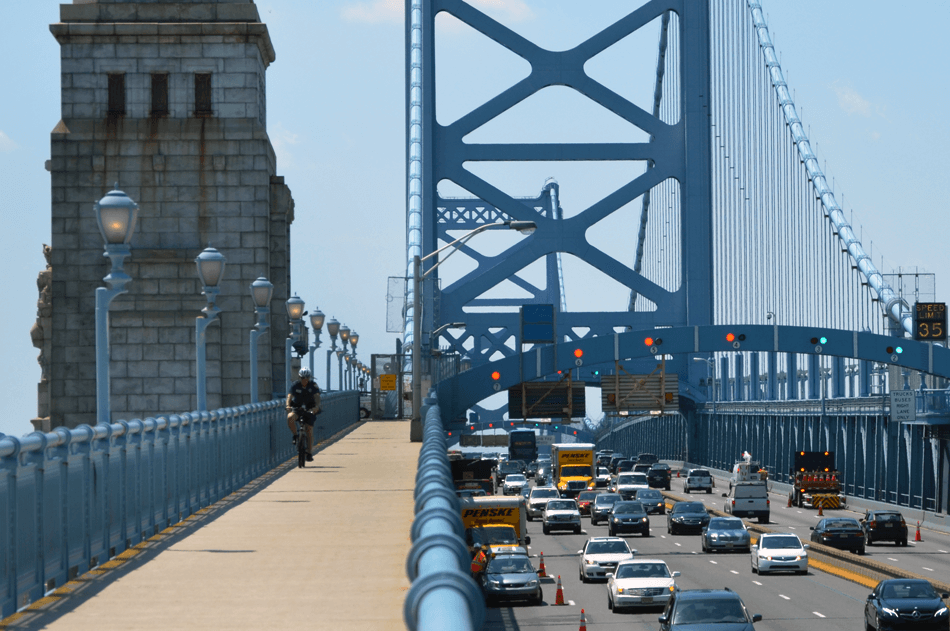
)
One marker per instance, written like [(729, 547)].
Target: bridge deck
[(323, 547)]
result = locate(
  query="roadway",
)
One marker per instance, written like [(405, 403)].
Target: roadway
[(818, 601)]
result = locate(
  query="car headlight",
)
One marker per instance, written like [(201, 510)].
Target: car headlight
[(940, 612), (890, 612), (672, 588), (589, 562), (714, 536), (768, 558), (644, 519), (494, 583), (677, 519), (616, 521), (798, 558), (533, 583), (620, 590)]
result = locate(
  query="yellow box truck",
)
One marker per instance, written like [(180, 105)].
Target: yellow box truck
[(572, 467), (495, 521)]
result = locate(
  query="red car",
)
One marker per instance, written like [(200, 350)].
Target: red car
[(585, 499)]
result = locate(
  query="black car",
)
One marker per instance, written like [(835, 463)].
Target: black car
[(645, 458), (687, 517), (904, 603), (600, 509), (621, 466), (884, 525), (531, 469), (719, 609), (659, 475), (628, 517), (652, 500), (614, 459), (843, 533)]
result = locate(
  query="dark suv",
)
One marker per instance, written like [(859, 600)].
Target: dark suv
[(658, 477), (721, 609), (884, 525), (647, 459)]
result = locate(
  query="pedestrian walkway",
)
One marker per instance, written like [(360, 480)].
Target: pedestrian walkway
[(323, 547)]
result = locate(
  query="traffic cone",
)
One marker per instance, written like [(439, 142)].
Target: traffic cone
[(917, 536), (789, 502), (583, 626), (559, 596), (820, 512), (541, 571), (678, 472)]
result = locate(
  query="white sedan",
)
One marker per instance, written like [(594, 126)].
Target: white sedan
[(601, 555), (780, 552), (514, 484), (640, 583)]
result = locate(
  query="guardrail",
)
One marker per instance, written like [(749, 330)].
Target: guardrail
[(443, 596), (72, 499)]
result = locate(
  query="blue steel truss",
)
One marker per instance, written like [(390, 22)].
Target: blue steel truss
[(678, 151)]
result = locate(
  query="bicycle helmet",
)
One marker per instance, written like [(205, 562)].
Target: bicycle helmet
[(305, 373)]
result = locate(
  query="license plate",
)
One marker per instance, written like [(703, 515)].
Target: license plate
[(729, 545), (888, 525), (647, 599)]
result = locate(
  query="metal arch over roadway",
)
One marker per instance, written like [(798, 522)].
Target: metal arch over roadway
[(461, 392)]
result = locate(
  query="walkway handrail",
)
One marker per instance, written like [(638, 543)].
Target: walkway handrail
[(73, 498), (443, 596)]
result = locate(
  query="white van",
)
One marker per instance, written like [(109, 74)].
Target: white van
[(748, 499)]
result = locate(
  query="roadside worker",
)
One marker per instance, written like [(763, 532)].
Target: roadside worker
[(479, 562)]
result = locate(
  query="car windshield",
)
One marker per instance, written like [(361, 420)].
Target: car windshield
[(494, 534), (632, 478), (780, 542), (709, 611), (515, 477), (510, 467), (689, 507), (607, 547), (643, 570), (509, 565), (725, 524), (587, 496), (649, 495), (561, 505), (841, 523), (606, 500), (542, 493), (602, 471), (628, 507), (886, 516), (575, 471), (699, 474), (909, 589)]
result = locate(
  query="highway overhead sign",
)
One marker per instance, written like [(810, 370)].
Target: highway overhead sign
[(903, 406)]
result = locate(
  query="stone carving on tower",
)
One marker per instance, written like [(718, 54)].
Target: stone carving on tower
[(39, 333)]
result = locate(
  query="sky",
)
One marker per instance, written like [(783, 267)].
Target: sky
[(869, 83)]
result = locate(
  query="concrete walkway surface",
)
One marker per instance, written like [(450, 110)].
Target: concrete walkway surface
[(322, 547)]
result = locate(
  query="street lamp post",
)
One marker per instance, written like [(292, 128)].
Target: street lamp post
[(210, 265), (333, 328), (344, 337), (261, 291), (339, 360), (316, 322), (712, 372), (295, 312), (354, 338), (525, 227), (116, 214)]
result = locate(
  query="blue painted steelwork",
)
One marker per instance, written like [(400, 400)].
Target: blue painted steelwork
[(460, 392), (678, 151), (561, 431), (894, 306), (72, 499), (443, 595)]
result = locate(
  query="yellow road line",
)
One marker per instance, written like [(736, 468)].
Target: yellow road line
[(854, 577)]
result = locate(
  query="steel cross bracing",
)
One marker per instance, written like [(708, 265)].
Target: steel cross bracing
[(677, 151)]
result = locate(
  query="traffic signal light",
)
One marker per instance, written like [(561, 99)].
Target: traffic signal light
[(596, 372), (648, 341), (578, 352), (496, 375), (819, 340), (732, 337), (892, 349)]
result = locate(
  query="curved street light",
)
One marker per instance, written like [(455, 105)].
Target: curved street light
[(295, 308), (316, 323), (333, 328), (262, 290), (116, 215), (210, 265)]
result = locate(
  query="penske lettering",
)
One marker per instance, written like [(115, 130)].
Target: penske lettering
[(481, 513)]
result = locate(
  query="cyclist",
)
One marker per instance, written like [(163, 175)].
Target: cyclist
[(304, 396)]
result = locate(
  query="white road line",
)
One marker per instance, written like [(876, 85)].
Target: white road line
[(891, 559), (818, 614), (733, 571), (927, 568), (799, 512), (911, 543), (714, 562), (571, 603), (757, 583), (662, 536), (694, 552), (943, 551), (792, 527), (784, 596), (680, 544)]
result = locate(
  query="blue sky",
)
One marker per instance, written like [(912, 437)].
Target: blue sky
[(869, 82)]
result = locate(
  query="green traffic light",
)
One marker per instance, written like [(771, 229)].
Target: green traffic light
[(823, 340), (899, 350)]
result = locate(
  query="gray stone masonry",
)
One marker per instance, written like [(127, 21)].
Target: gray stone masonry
[(199, 180)]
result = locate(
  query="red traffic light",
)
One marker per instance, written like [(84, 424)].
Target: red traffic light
[(730, 337), (496, 375), (578, 352), (491, 424), (648, 341)]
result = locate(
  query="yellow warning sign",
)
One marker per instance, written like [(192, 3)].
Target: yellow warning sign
[(387, 382)]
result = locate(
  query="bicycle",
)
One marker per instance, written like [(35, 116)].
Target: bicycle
[(303, 445)]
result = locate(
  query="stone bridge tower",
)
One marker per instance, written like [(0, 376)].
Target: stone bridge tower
[(167, 99)]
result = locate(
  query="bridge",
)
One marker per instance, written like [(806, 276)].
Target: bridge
[(747, 290)]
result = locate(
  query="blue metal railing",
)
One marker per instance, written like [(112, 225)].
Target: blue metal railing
[(72, 499), (443, 596)]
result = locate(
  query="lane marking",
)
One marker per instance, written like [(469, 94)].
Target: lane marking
[(784, 596), (927, 568), (733, 571), (942, 551), (891, 559), (571, 603), (792, 527), (694, 552), (662, 536), (818, 614), (757, 583), (714, 562), (680, 544)]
